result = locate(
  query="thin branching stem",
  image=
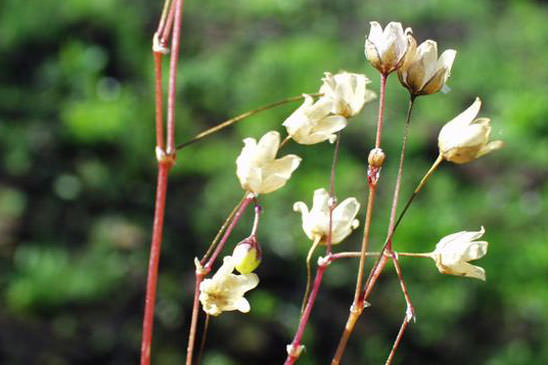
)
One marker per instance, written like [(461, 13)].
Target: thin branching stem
[(158, 100), (221, 231), (332, 198), (154, 259), (396, 344), (309, 271), (163, 17), (248, 199), (164, 165), (239, 118), (204, 337), (294, 348), (203, 270), (373, 175), (381, 262)]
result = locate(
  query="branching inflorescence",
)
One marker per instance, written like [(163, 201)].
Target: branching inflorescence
[(327, 223)]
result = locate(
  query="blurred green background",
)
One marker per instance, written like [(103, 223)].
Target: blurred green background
[(77, 174)]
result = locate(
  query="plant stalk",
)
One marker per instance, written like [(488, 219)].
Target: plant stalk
[(238, 118), (203, 270)]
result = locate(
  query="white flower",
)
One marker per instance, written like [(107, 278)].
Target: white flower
[(466, 138), (347, 91), (316, 221), (453, 252), (422, 73), (257, 167), (385, 50), (312, 123), (225, 290)]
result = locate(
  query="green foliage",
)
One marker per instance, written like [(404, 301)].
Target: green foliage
[(77, 180)]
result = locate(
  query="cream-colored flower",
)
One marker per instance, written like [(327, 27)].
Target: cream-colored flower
[(225, 290), (453, 252), (313, 123), (422, 72), (385, 50), (347, 91), (316, 220), (257, 167), (466, 138)]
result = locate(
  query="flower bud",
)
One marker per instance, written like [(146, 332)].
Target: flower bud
[(376, 157), (247, 255)]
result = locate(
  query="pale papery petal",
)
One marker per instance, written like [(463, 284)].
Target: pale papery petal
[(268, 145), (320, 200), (300, 207), (446, 61), (490, 147), (242, 305), (468, 116), (375, 33), (276, 174), (428, 53)]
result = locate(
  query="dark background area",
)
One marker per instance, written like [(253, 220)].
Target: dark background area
[(77, 173)]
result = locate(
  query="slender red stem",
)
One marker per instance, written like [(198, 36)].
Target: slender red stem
[(373, 173), (403, 327), (202, 272), (152, 276), (332, 199), (164, 165), (172, 86), (380, 120), (159, 103), (399, 176), (410, 311), (293, 355), (165, 28), (381, 262), (228, 231), (194, 319)]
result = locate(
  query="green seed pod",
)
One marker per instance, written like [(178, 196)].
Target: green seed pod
[(247, 256)]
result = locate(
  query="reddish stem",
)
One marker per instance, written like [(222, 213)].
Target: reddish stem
[(175, 45), (332, 199), (380, 121), (164, 29), (202, 272), (194, 320), (152, 276), (292, 356), (403, 327), (372, 177), (159, 103), (410, 312), (228, 231)]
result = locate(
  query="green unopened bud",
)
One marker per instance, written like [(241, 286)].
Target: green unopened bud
[(247, 255)]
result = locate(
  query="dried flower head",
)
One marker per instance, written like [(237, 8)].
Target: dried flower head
[(257, 167), (422, 72), (225, 290), (466, 138), (385, 50), (347, 91), (313, 122), (316, 220), (453, 252)]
